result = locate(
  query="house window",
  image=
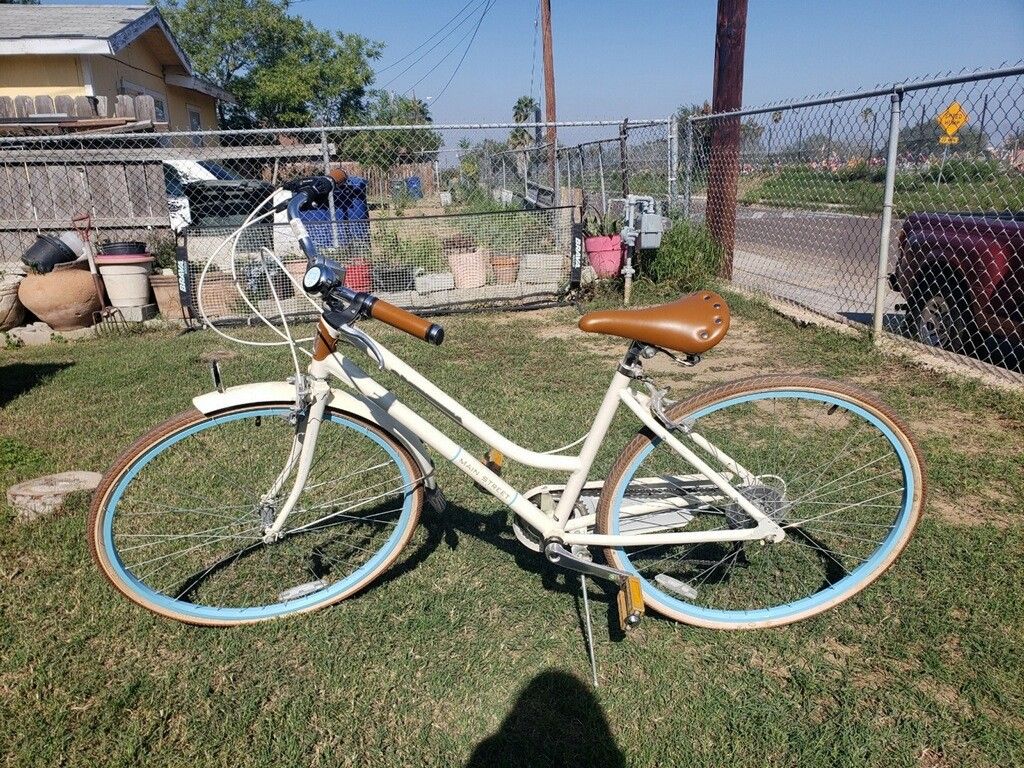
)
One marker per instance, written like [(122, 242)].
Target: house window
[(195, 123), (159, 100)]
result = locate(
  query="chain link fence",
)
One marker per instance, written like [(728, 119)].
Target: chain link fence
[(900, 208), (436, 216)]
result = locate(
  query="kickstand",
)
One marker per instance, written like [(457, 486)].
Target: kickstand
[(590, 629)]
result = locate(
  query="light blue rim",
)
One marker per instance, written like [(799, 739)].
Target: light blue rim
[(266, 611), (787, 610)]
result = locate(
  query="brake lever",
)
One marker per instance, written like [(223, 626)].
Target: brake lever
[(360, 340)]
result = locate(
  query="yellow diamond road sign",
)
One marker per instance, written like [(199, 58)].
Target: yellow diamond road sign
[(953, 118)]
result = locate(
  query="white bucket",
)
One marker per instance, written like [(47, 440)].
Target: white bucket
[(126, 279)]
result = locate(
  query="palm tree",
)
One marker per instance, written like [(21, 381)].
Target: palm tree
[(519, 138), (868, 115)]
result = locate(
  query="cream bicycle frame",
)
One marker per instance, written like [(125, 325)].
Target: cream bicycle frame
[(562, 525)]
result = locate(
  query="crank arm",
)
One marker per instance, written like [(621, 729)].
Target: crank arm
[(556, 553), (630, 600)]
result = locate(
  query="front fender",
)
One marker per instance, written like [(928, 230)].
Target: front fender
[(281, 392)]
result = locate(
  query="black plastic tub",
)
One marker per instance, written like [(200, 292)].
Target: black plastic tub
[(46, 253), (125, 248), (390, 279)]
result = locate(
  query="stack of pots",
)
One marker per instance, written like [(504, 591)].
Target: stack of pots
[(59, 291), (125, 268)]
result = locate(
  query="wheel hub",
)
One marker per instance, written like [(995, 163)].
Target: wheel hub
[(768, 498)]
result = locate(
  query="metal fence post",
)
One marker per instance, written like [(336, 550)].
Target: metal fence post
[(883, 244), (673, 159), (688, 173), (330, 199)]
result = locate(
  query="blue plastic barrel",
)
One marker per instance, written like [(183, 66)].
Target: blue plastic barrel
[(350, 198), (414, 187)]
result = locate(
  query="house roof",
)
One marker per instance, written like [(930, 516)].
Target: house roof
[(44, 30)]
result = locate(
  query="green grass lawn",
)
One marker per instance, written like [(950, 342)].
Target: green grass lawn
[(469, 650), (816, 190)]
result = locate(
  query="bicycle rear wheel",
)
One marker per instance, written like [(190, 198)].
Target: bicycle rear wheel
[(827, 462), (177, 524)]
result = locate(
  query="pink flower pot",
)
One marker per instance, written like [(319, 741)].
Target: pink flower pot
[(605, 254)]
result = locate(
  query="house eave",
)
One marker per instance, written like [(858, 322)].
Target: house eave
[(201, 86), (55, 46)]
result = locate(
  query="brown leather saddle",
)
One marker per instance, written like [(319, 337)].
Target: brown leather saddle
[(692, 324)]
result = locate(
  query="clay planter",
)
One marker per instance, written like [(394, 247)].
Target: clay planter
[(165, 288), (11, 310), (220, 297), (506, 269), (470, 269), (64, 299)]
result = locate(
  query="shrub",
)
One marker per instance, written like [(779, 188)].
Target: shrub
[(688, 259), (958, 170)]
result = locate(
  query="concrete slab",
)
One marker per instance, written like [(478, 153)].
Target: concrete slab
[(42, 497)]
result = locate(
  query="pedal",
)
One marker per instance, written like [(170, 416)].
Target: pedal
[(631, 603), (493, 460)]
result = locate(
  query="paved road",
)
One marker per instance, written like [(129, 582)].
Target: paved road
[(825, 261)]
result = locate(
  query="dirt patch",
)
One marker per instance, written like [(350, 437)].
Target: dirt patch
[(968, 511)]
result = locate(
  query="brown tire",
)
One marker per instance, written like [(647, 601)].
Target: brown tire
[(189, 419), (678, 610)]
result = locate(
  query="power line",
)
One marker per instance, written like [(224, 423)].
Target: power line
[(464, 53), (439, 31), (445, 37)]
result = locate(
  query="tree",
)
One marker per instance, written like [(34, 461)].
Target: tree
[(519, 138), (922, 139), (385, 148), (281, 68)]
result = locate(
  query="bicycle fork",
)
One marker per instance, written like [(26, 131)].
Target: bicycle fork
[(310, 413)]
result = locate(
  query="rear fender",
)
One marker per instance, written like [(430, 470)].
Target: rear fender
[(283, 393)]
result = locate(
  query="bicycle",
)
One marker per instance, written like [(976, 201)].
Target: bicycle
[(754, 504)]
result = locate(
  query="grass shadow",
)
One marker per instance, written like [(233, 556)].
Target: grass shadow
[(18, 378)]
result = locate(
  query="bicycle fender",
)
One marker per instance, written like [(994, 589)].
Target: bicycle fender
[(283, 393)]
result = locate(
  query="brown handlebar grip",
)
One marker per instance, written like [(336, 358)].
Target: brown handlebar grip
[(412, 324)]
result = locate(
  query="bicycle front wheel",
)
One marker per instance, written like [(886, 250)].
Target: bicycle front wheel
[(827, 462), (177, 524)]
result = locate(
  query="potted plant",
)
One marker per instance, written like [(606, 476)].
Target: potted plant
[(603, 244), (164, 281)]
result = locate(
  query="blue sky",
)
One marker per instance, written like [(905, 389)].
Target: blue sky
[(615, 59)]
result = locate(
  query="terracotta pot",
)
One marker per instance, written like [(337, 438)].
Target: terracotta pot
[(165, 288), (506, 269), (296, 269), (12, 312), (64, 299), (220, 297)]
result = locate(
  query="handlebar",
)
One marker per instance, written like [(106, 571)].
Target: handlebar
[(414, 325), (366, 304)]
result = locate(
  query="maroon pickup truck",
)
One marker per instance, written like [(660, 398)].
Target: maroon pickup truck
[(962, 275)]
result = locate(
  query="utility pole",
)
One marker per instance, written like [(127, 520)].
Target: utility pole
[(550, 114), (730, 42)]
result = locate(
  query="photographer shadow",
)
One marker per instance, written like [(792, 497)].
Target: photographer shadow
[(556, 721)]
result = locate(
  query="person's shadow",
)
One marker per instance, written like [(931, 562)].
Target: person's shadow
[(556, 721)]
